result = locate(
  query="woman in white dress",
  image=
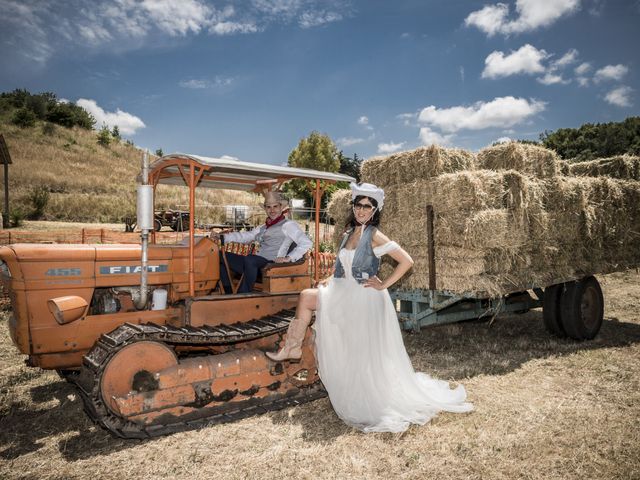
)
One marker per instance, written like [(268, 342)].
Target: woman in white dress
[(361, 356)]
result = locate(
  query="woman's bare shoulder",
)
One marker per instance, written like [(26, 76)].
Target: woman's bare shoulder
[(379, 238)]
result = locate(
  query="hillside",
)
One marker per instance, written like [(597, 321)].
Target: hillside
[(88, 182)]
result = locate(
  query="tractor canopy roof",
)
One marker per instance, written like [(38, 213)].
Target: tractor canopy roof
[(229, 173)]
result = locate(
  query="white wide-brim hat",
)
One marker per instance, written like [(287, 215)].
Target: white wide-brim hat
[(367, 190), (275, 197)]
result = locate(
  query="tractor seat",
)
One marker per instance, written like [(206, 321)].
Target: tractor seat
[(280, 277)]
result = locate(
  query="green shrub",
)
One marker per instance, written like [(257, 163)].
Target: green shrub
[(69, 115), (24, 118), (39, 198), (104, 136), (16, 217)]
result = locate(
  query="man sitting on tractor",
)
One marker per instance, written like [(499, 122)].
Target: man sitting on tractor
[(276, 238)]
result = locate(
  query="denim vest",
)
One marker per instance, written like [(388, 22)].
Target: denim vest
[(365, 263)]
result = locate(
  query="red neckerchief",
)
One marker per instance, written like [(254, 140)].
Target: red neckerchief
[(271, 223)]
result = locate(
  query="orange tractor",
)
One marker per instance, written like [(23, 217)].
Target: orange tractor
[(144, 331)]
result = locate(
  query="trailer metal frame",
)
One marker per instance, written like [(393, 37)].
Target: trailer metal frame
[(421, 308)]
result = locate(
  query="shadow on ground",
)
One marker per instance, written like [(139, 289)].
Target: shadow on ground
[(452, 352), (464, 350), (469, 349), (26, 425)]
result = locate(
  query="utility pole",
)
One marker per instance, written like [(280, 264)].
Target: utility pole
[(5, 158)]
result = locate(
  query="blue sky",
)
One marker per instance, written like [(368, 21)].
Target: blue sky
[(250, 78)]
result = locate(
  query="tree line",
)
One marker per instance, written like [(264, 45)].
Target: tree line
[(28, 108), (598, 140)]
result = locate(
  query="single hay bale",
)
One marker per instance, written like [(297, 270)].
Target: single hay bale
[(421, 163), (623, 167), (528, 159)]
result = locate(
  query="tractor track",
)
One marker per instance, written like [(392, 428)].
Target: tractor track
[(95, 361)]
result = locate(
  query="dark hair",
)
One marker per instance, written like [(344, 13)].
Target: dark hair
[(374, 220)]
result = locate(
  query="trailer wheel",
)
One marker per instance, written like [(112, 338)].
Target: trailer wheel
[(551, 310), (157, 225), (582, 308)]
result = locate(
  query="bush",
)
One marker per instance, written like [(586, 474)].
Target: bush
[(24, 118), (69, 115), (38, 105), (39, 198), (16, 217), (48, 128), (104, 136)]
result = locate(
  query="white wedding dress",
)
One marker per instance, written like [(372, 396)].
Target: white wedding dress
[(363, 363)]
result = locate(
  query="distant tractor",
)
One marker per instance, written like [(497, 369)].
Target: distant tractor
[(178, 220), (145, 332)]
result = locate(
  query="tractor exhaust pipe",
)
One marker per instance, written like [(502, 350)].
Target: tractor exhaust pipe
[(145, 222)]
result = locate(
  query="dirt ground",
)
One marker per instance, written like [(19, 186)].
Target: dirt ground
[(545, 408)]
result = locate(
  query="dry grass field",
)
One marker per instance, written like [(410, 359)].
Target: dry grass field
[(91, 183), (546, 408)]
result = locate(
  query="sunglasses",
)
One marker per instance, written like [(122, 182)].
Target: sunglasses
[(363, 206)]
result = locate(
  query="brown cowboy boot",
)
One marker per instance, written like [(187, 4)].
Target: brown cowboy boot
[(292, 349)]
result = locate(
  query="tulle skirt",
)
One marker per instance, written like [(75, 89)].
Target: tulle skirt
[(364, 365)]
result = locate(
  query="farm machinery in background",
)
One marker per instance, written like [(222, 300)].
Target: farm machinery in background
[(145, 332), (177, 220)]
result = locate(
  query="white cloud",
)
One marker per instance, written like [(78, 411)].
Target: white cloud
[(126, 122), (567, 59), (503, 140), (315, 19), (137, 19), (218, 82), (36, 30), (363, 120), (28, 26), (194, 84), (490, 19), (582, 81), (527, 59), (429, 137), (280, 8), (620, 97), (408, 119), (389, 147), (551, 79), (531, 15), (349, 141), (503, 112), (230, 28), (582, 68), (610, 72), (177, 17)]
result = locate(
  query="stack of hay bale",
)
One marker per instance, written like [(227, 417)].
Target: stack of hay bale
[(506, 219), (624, 166)]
